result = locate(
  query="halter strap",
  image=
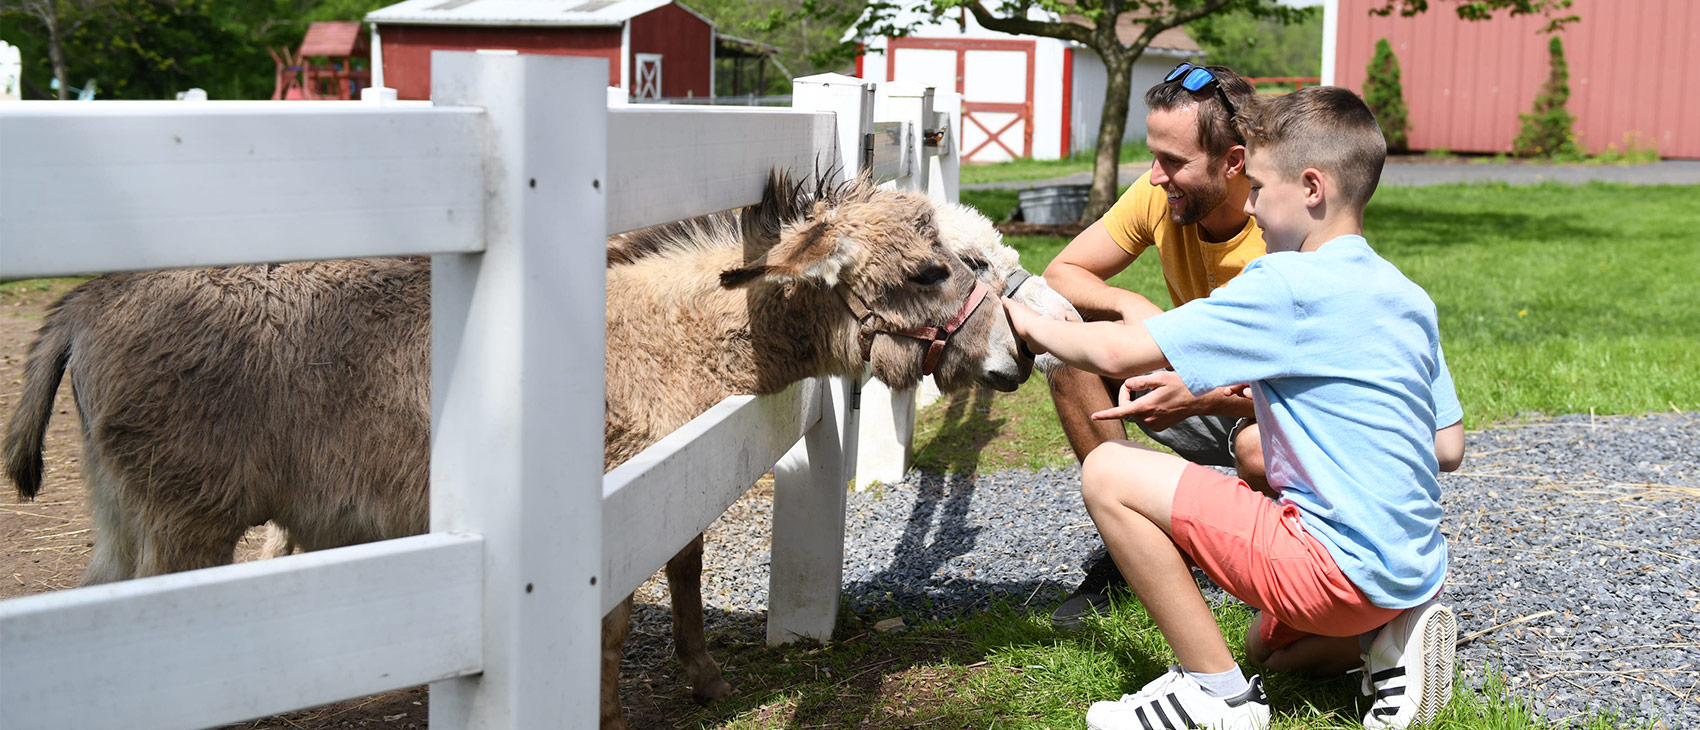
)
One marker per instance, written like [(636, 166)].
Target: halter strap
[(936, 337)]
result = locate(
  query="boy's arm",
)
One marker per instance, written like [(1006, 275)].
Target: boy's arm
[(1449, 446), (1112, 349)]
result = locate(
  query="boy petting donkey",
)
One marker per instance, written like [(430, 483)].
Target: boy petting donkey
[(1341, 356)]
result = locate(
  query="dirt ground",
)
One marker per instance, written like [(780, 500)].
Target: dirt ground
[(45, 545)]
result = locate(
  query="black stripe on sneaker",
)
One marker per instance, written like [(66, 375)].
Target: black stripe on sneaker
[(1389, 692), (1181, 712), (1157, 709), (1139, 712), (1387, 674), (1379, 711)]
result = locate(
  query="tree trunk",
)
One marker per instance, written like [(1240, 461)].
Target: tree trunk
[(1118, 90), (56, 51)]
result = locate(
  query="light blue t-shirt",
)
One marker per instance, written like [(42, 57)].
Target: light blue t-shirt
[(1350, 385)]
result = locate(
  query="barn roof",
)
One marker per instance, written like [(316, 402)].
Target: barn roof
[(586, 13)]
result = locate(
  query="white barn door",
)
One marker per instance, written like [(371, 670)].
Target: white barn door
[(648, 76), (995, 79)]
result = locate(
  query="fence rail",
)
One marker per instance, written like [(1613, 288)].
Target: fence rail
[(512, 181)]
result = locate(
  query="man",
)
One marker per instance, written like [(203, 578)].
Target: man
[(1191, 208)]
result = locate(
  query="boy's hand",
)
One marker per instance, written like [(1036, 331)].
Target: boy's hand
[(1021, 320)]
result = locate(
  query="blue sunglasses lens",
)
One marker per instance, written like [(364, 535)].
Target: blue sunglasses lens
[(1177, 71), (1197, 79)]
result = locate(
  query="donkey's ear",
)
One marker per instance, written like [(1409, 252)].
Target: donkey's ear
[(814, 250)]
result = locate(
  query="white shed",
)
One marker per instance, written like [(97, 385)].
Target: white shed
[(1022, 96)]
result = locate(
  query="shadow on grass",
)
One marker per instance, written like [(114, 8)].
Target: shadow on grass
[(1402, 225), (1001, 664)]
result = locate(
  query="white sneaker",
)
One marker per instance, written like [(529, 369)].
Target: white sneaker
[(1174, 701), (1409, 667)]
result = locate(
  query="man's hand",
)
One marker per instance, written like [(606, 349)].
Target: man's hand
[(1169, 401)]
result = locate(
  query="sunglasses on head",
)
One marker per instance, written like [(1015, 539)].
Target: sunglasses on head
[(1195, 78)]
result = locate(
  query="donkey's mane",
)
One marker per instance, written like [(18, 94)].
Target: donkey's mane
[(784, 200)]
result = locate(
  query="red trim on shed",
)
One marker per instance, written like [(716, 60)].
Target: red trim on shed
[(1067, 102)]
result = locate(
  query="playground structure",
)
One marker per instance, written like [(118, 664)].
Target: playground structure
[(343, 72)]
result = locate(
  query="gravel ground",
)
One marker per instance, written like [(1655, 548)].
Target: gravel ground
[(1576, 557)]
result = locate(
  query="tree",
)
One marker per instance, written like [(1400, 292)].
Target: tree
[(58, 19), (1385, 96), (1257, 46), (1547, 131)]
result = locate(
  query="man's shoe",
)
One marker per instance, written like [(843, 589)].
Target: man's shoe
[(1409, 667), (1092, 595), (1175, 700)]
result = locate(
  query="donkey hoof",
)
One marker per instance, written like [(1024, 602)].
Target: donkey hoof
[(708, 692)]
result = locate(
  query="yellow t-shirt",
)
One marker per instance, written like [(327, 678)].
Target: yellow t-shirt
[(1192, 266)]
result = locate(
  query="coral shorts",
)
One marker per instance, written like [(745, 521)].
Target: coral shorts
[(1258, 552)]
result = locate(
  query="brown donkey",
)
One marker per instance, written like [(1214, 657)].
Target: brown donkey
[(214, 400)]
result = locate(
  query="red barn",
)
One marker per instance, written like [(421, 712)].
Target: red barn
[(1633, 78), (654, 48)]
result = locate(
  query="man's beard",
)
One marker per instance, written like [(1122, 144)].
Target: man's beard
[(1197, 203)]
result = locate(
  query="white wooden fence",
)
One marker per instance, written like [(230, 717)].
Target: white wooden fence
[(511, 179)]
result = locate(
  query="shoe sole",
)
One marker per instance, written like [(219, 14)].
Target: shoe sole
[(1439, 636)]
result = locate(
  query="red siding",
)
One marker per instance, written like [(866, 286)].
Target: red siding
[(1631, 72), (407, 49), (686, 45)]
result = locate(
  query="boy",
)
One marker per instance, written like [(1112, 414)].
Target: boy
[(1358, 414)]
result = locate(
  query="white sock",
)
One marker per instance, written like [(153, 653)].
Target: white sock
[(1220, 684)]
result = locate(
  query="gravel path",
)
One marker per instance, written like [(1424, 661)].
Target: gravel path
[(1576, 549)]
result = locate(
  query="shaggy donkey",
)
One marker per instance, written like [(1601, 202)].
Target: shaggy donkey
[(213, 400)]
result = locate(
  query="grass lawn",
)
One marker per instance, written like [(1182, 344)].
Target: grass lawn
[(1553, 299), (1007, 668)]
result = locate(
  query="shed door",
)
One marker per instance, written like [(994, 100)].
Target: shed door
[(995, 78), (648, 76)]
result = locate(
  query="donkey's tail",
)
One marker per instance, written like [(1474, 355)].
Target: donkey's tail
[(46, 365)]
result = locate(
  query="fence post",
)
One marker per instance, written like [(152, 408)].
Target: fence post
[(809, 483), (886, 434), (517, 388)]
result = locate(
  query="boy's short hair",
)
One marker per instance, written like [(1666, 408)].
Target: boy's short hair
[(1215, 124), (1325, 127)]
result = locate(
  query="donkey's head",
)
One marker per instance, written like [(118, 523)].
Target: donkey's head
[(973, 238), (917, 308)]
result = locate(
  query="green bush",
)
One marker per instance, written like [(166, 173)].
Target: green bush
[(1548, 130), (1386, 97)]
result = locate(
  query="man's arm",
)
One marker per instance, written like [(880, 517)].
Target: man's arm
[(1449, 446), (1080, 271), (1111, 349)]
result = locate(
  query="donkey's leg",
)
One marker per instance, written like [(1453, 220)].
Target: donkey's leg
[(684, 582), (178, 542), (615, 626), (116, 538)]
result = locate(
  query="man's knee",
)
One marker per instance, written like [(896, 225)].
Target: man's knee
[(1248, 453)]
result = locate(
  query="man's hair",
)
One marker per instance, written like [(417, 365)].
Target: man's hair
[(1325, 127), (1215, 125)]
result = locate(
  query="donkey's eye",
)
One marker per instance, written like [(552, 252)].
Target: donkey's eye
[(931, 275), (980, 266)]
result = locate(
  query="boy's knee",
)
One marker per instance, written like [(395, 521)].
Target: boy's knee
[(1098, 479)]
